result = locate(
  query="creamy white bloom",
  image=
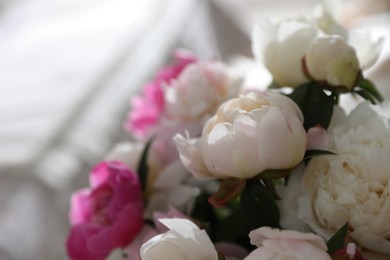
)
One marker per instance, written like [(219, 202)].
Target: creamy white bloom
[(200, 89), (282, 46), (329, 58), (287, 245), (184, 240), (352, 186), (367, 46), (246, 136)]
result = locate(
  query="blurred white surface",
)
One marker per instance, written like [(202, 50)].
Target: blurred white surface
[(67, 71)]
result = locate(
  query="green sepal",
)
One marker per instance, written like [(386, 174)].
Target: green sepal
[(367, 90), (229, 190), (337, 241), (143, 168), (315, 104), (220, 256)]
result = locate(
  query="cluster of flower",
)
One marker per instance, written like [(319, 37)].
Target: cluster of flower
[(220, 172)]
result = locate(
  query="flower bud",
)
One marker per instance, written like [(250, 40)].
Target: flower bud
[(329, 58)]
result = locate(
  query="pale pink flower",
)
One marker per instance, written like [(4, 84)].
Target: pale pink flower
[(107, 216), (147, 109), (286, 244), (317, 138), (200, 89)]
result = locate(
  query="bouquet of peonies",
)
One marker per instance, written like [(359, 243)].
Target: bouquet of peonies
[(219, 171)]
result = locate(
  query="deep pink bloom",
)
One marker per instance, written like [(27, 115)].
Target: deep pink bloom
[(147, 109), (107, 216)]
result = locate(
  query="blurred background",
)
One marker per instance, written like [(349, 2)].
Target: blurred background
[(68, 69)]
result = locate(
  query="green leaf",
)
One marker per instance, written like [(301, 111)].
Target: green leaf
[(337, 241), (315, 104), (228, 191), (366, 96), (258, 206), (369, 87), (311, 153), (143, 167)]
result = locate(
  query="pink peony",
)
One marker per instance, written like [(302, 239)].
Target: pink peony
[(286, 244), (147, 109), (107, 216)]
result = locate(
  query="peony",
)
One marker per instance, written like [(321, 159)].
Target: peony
[(367, 46), (169, 183), (107, 216), (184, 240), (148, 108), (281, 48), (286, 244), (199, 90), (331, 59), (352, 186), (247, 135)]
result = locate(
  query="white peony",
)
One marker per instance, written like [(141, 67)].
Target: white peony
[(281, 47), (367, 46), (329, 58), (184, 240), (352, 186), (247, 135)]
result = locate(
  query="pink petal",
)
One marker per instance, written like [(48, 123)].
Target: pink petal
[(80, 207), (77, 241), (317, 138)]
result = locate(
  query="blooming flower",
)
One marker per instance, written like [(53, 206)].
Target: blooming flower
[(352, 186), (169, 183), (248, 135), (147, 109), (200, 89), (107, 216), (286, 244), (184, 240)]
